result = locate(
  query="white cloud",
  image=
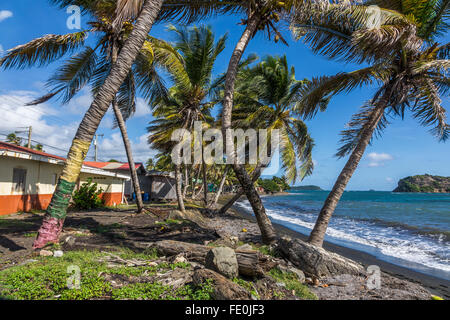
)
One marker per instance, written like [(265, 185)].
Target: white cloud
[(378, 159), (112, 148), (142, 108), (47, 129), (5, 14), (1, 49), (389, 179)]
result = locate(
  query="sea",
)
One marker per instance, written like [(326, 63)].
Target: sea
[(411, 230)]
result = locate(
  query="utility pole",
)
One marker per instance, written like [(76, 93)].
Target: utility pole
[(30, 129), (29, 137), (96, 145)]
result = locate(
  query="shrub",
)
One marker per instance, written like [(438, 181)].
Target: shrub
[(88, 196)]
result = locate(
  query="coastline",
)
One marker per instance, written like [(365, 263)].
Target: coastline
[(435, 285)]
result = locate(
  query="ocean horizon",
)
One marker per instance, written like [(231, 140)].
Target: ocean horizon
[(411, 230)]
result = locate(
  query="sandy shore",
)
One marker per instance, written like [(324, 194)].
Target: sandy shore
[(437, 286)]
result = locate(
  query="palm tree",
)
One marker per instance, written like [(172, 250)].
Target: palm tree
[(403, 57), (60, 45), (264, 99), (14, 139), (188, 99), (91, 66)]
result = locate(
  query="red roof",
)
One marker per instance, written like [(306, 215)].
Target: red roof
[(111, 165), (13, 147), (98, 165)]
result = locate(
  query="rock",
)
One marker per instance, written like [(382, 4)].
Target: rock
[(290, 269), (45, 253), (194, 216), (245, 247), (179, 259), (58, 253), (224, 261), (70, 240), (224, 289), (317, 261)]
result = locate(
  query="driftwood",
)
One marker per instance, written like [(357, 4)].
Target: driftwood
[(224, 289), (317, 261), (251, 263)]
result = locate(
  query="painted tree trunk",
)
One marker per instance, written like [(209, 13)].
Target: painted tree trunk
[(240, 193), (178, 188), (57, 210), (219, 191), (126, 143), (267, 230), (318, 233)]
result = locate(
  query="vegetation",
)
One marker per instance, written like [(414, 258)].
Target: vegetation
[(273, 185), (309, 187), (424, 183), (87, 197), (46, 279), (291, 282)]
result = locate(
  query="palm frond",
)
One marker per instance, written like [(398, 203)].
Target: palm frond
[(351, 136), (429, 110), (315, 94), (42, 51), (74, 74)]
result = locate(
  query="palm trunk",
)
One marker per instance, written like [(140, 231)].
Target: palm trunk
[(126, 143), (267, 230), (219, 191), (57, 210), (178, 189), (318, 233), (240, 193)]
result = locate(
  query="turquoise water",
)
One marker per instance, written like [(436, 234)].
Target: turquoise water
[(408, 229)]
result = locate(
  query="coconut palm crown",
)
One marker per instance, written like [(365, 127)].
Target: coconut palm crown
[(403, 57)]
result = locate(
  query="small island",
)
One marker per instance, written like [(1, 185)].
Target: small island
[(424, 183), (307, 188)]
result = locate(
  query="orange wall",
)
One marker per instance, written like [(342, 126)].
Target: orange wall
[(14, 203)]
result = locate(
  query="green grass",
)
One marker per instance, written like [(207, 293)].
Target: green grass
[(292, 283), (168, 222), (46, 279), (247, 285)]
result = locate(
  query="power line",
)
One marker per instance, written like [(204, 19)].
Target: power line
[(40, 112)]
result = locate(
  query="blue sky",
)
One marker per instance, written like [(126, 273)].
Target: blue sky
[(405, 148)]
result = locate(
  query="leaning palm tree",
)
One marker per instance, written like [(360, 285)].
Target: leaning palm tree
[(264, 99), (60, 45), (403, 58), (188, 99), (90, 66)]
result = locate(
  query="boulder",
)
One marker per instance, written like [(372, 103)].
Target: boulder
[(223, 260), (194, 216), (317, 261)]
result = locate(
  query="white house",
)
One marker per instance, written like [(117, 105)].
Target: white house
[(28, 179)]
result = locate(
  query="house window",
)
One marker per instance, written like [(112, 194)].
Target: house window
[(55, 179), (19, 177)]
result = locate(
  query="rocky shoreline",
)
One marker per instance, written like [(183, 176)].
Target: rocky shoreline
[(391, 273)]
